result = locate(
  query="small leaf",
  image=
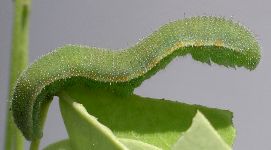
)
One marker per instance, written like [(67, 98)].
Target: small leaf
[(190, 140), (137, 145), (201, 136), (153, 121), (84, 130)]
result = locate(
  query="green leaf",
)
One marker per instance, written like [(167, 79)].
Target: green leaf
[(137, 145), (151, 121), (84, 130), (201, 136), (130, 144), (95, 135)]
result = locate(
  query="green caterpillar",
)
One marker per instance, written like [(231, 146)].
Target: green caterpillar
[(207, 39)]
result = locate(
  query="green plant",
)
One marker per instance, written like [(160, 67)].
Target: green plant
[(99, 82), (14, 140)]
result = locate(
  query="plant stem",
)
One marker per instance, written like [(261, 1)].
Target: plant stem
[(18, 61), (35, 144)]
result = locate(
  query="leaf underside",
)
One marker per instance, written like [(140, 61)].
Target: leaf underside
[(201, 136), (130, 144), (153, 121), (138, 123)]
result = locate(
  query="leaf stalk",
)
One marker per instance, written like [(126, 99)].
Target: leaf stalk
[(18, 61)]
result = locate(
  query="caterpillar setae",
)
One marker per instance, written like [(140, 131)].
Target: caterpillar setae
[(207, 39)]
